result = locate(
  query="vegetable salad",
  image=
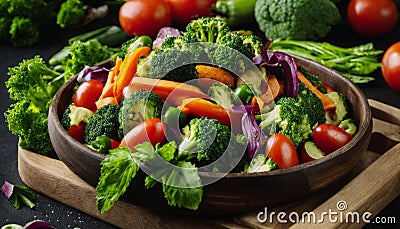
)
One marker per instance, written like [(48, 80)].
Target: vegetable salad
[(204, 99)]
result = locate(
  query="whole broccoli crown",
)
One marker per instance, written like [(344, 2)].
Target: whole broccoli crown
[(24, 32), (312, 105), (103, 122), (173, 64), (140, 106), (315, 80), (206, 29), (71, 13), (296, 19)]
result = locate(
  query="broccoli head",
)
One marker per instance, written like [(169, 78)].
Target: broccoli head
[(248, 45), (206, 29), (138, 107), (103, 122), (72, 13), (311, 104), (204, 139), (296, 19)]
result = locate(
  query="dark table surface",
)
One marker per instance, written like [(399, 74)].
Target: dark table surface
[(66, 217)]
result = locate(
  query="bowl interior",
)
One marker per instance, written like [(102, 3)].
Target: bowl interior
[(236, 192)]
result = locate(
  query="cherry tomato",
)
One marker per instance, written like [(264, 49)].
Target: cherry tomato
[(87, 94), (391, 66), (280, 149), (183, 11), (372, 18), (77, 132), (144, 17), (114, 143), (152, 130), (329, 137)]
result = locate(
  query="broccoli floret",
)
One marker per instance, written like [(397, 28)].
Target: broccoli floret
[(296, 19), (23, 32), (172, 64), (204, 139), (261, 163), (223, 95), (315, 80), (312, 105), (73, 115), (232, 50), (206, 29), (294, 118), (342, 110), (103, 122), (72, 13), (248, 45), (138, 107)]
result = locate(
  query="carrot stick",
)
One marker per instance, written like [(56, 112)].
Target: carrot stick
[(104, 101), (326, 101), (275, 88), (108, 89), (173, 92), (128, 70), (204, 108), (218, 74)]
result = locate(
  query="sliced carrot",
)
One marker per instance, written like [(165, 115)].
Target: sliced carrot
[(128, 70), (326, 101), (104, 101), (218, 74), (275, 88), (204, 108), (108, 89), (173, 92)]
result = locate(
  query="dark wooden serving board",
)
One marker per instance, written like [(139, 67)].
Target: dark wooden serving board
[(376, 183)]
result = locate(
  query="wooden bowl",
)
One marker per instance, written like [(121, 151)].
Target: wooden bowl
[(236, 192)]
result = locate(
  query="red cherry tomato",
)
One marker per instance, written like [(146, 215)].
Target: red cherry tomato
[(114, 143), (152, 130), (144, 17), (329, 137), (77, 132), (87, 94), (372, 18), (183, 11), (391, 66), (280, 149)]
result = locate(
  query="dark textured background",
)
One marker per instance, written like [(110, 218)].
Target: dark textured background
[(65, 217)]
